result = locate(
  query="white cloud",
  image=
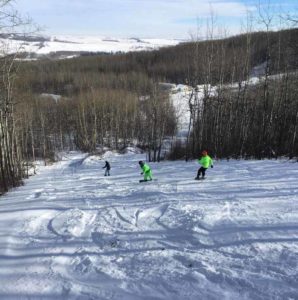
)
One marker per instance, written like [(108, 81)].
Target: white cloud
[(155, 18)]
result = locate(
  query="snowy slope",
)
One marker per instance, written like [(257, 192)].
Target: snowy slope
[(71, 233), (180, 96), (46, 45)]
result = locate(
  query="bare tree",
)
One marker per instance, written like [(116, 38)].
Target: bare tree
[(10, 152)]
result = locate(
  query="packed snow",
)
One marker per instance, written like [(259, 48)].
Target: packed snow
[(71, 233)]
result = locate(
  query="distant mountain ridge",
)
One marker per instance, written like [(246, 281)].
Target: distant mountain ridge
[(38, 46)]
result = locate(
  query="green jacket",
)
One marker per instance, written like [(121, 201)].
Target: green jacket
[(146, 168), (205, 161), (147, 172)]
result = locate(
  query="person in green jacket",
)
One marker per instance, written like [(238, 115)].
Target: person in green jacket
[(205, 162), (146, 171)]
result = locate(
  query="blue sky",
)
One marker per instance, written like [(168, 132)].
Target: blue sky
[(142, 18)]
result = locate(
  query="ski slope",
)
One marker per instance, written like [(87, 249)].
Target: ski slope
[(71, 233)]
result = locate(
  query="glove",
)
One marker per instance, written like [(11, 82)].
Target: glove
[(211, 167), (142, 173)]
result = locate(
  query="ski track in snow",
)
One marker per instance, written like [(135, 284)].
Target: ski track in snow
[(71, 233)]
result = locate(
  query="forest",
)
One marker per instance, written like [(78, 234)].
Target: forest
[(116, 100)]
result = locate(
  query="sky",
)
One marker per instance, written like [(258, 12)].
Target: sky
[(144, 18)]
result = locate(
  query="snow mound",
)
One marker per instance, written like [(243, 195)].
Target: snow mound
[(108, 154), (148, 218), (71, 223), (132, 150), (91, 160)]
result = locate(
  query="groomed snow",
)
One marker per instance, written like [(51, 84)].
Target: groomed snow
[(71, 233)]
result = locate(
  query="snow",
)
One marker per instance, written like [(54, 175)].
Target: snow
[(54, 97), (71, 233), (180, 96), (84, 44)]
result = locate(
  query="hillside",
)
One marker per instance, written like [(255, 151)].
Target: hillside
[(240, 96), (62, 47), (71, 233), (226, 60), (254, 75)]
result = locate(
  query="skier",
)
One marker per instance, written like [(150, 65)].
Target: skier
[(146, 171), (205, 162), (108, 168)]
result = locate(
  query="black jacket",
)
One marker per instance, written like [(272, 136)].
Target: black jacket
[(107, 165)]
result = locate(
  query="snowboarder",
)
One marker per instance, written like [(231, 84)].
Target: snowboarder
[(108, 168), (205, 162), (146, 171)]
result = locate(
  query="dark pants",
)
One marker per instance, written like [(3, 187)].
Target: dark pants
[(201, 171)]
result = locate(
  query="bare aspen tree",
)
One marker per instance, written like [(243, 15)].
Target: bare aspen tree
[(10, 166), (266, 19), (158, 120)]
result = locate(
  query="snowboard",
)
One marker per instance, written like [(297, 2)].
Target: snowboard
[(142, 180), (199, 179)]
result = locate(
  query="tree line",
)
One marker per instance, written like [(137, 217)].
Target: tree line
[(11, 159), (89, 103), (87, 118)]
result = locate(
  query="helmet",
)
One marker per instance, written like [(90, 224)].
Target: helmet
[(204, 153), (141, 162)]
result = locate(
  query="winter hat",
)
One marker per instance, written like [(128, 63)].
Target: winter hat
[(204, 153), (141, 162)]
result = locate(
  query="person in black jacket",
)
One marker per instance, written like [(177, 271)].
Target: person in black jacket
[(108, 168)]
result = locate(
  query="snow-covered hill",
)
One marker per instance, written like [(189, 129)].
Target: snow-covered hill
[(71, 233), (67, 46)]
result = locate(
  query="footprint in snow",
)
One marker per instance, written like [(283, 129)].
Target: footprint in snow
[(103, 240), (83, 265)]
